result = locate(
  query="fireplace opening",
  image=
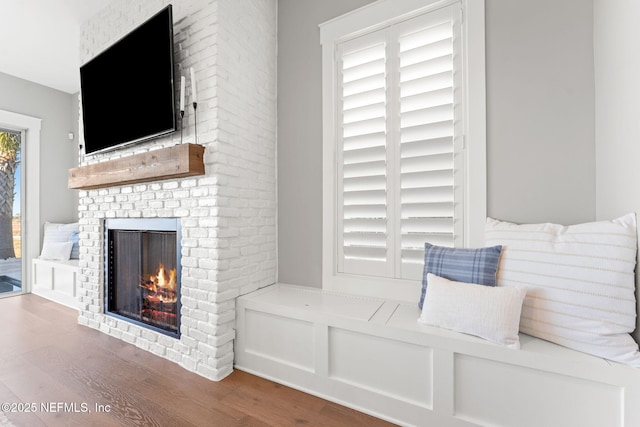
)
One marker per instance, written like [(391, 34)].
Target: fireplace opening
[(142, 274)]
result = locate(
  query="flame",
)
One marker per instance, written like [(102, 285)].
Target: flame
[(164, 280), (163, 284)]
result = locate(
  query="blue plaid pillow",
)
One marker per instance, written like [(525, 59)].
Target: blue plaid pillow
[(75, 249), (477, 266)]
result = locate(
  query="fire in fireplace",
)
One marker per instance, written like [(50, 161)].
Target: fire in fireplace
[(160, 298), (142, 273)]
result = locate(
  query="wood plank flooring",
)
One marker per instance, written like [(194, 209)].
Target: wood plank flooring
[(49, 360)]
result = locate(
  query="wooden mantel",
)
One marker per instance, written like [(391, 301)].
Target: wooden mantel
[(178, 161)]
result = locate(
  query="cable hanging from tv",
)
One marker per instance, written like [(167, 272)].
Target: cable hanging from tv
[(194, 100)]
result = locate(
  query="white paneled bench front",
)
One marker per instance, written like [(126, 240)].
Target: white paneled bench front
[(372, 355), (56, 280)]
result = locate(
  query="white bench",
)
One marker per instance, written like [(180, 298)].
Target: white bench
[(373, 356), (56, 280)]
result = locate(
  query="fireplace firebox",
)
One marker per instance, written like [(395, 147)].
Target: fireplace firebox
[(142, 272)]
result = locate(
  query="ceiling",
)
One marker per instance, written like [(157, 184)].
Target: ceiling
[(39, 40)]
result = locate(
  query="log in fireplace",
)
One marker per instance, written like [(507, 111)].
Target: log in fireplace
[(142, 272)]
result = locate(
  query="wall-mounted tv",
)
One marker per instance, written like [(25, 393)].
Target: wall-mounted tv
[(127, 90)]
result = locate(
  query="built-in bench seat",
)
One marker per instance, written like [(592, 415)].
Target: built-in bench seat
[(56, 280), (372, 355)]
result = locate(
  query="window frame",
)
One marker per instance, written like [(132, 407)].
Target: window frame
[(30, 128), (360, 22)]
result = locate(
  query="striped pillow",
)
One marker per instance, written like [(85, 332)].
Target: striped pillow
[(58, 233), (580, 282), (476, 266)]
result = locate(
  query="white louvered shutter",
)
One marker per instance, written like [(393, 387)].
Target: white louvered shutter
[(362, 165), (399, 121), (430, 197)]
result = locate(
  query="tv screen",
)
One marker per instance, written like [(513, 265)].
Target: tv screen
[(127, 90)]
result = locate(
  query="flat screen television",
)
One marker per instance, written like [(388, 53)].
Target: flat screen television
[(127, 90)]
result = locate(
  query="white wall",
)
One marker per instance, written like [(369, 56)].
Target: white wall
[(300, 136), (617, 89), (540, 112), (57, 153)]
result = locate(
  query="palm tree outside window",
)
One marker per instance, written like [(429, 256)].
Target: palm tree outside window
[(10, 247)]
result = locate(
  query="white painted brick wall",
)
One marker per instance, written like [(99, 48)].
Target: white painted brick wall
[(228, 216)]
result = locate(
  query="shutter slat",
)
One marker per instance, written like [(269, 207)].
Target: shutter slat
[(425, 116), (376, 225), (365, 197), (426, 100), (427, 195), (428, 163), (365, 253), (417, 180), (438, 32), (365, 239), (415, 241), (369, 54), (427, 225), (365, 127), (426, 84), (413, 252), (365, 183), (438, 209), (363, 85), (429, 131), (376, 139), (365, 155), (370, 97), (426, 53), (431, 67), (376, 168), (427, 147), (367, 69), (365, 112), (416, 256), (355, 212)]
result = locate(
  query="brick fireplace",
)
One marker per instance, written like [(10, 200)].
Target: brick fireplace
[(143, 272), (227, 217)]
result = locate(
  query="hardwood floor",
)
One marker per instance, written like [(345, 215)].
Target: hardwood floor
[(65, 369)]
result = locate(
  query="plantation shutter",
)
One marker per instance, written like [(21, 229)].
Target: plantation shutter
[(430, 128), (363, 157), (399, 120)]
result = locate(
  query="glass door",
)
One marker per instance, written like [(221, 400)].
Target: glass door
[(11, 178)]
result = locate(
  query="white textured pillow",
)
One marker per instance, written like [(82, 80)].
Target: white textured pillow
[(485, 311), (54, 232), (580, 282), (57, 233), (59, 251)]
